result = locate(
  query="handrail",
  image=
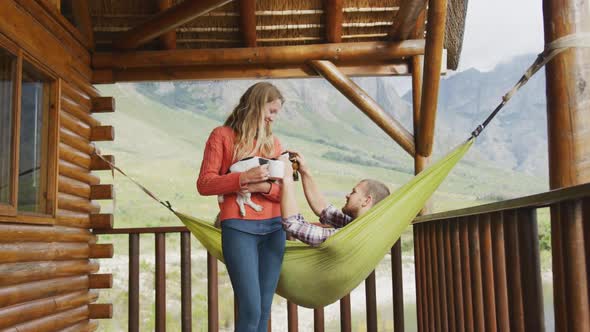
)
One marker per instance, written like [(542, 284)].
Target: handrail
[(143, 230), (537, 201)]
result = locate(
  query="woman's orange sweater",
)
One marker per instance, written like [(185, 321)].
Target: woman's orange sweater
[(214, 179)]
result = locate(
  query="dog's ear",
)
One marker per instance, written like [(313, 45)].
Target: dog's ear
[(263, 161)]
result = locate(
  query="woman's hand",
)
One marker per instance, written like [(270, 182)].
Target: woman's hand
[(288, 172), (256, 174), (259, 187)]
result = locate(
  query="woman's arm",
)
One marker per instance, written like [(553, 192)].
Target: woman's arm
[(211, 182)]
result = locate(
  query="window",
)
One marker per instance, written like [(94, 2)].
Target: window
[(33, 144), (28, 138), (7, 84)]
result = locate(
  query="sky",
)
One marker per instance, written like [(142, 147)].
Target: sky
[(497, 30)]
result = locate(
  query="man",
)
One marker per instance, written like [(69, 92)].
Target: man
[(363, 197)]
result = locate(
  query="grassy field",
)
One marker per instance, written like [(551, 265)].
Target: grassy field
[(162, 148)]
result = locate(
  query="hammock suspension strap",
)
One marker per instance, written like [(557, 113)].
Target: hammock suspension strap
[(551, 50)]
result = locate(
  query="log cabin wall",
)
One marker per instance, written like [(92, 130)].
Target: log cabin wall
[(48, 264)]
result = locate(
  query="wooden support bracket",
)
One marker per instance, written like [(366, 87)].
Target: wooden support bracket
[(103, 281), (100, 311), (101, 251), (102, 191)]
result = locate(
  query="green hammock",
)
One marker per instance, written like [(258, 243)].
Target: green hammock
[(315, 277)]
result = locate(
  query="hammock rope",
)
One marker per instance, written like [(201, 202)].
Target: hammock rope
[(315, 277), (551, 50)]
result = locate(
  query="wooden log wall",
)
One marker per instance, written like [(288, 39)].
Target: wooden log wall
[(479, 273), (48, 278)]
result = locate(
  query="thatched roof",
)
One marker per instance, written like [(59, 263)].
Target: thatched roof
[(277, 23)]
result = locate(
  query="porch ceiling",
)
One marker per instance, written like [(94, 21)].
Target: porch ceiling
[(130, 26)]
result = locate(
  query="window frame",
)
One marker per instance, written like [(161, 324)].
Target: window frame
[(10, 209), (10, 213)]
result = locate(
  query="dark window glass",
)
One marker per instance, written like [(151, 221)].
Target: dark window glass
[(34, 132), (7, 77)]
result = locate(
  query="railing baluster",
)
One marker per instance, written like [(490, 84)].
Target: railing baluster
[(429, 260), (446, 238), (416, 229), (531, 271), (475, 260), (318, 319), (345, 316), (133, 283), (434, 277), (397, 286), (442, 282), (160, 282), (292, 319), (212, 295), (371, 302), (500, 284), (185, 281), (487, 272), (513, 275), (576, 285), (466, 273), (457, 279)]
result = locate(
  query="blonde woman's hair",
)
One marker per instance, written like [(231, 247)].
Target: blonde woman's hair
[(248, 123)]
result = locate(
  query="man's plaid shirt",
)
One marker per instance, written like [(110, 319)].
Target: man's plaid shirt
[(312, 234)]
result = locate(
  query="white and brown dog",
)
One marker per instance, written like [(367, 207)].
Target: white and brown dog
[(275, 168)]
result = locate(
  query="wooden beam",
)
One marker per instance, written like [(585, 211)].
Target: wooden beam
[(102, 191), (239, 72), (102, 133), (433, 54), (101, 221), (366, 104), (104, 280), (406, 20), (97, 164), (248, 21), (166, 21), (101, 251), (334, 17), (81, 12), (168, 39), (103, 104), (100, 311), (362, 53)]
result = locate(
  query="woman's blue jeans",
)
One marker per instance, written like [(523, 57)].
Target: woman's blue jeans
[(253, 263)]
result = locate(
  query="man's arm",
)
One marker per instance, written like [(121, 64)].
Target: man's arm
[(314, 198), (306, 232)]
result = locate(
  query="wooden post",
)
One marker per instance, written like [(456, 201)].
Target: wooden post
[(185, 281), (366, 104), (567, 118), (248, 21), (133, 283), (81, 12), (371, 302), (212, 295), (169, 20), (334, 17), (160, 282), (433, 53), (168, 39)]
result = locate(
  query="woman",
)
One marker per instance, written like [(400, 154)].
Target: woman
[(253, 246)]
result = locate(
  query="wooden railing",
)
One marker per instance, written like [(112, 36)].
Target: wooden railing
[(213, 286), (478, 269)]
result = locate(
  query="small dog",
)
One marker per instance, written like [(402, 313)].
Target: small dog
[(245, 198)]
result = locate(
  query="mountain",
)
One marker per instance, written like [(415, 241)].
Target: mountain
[(517, 137)]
